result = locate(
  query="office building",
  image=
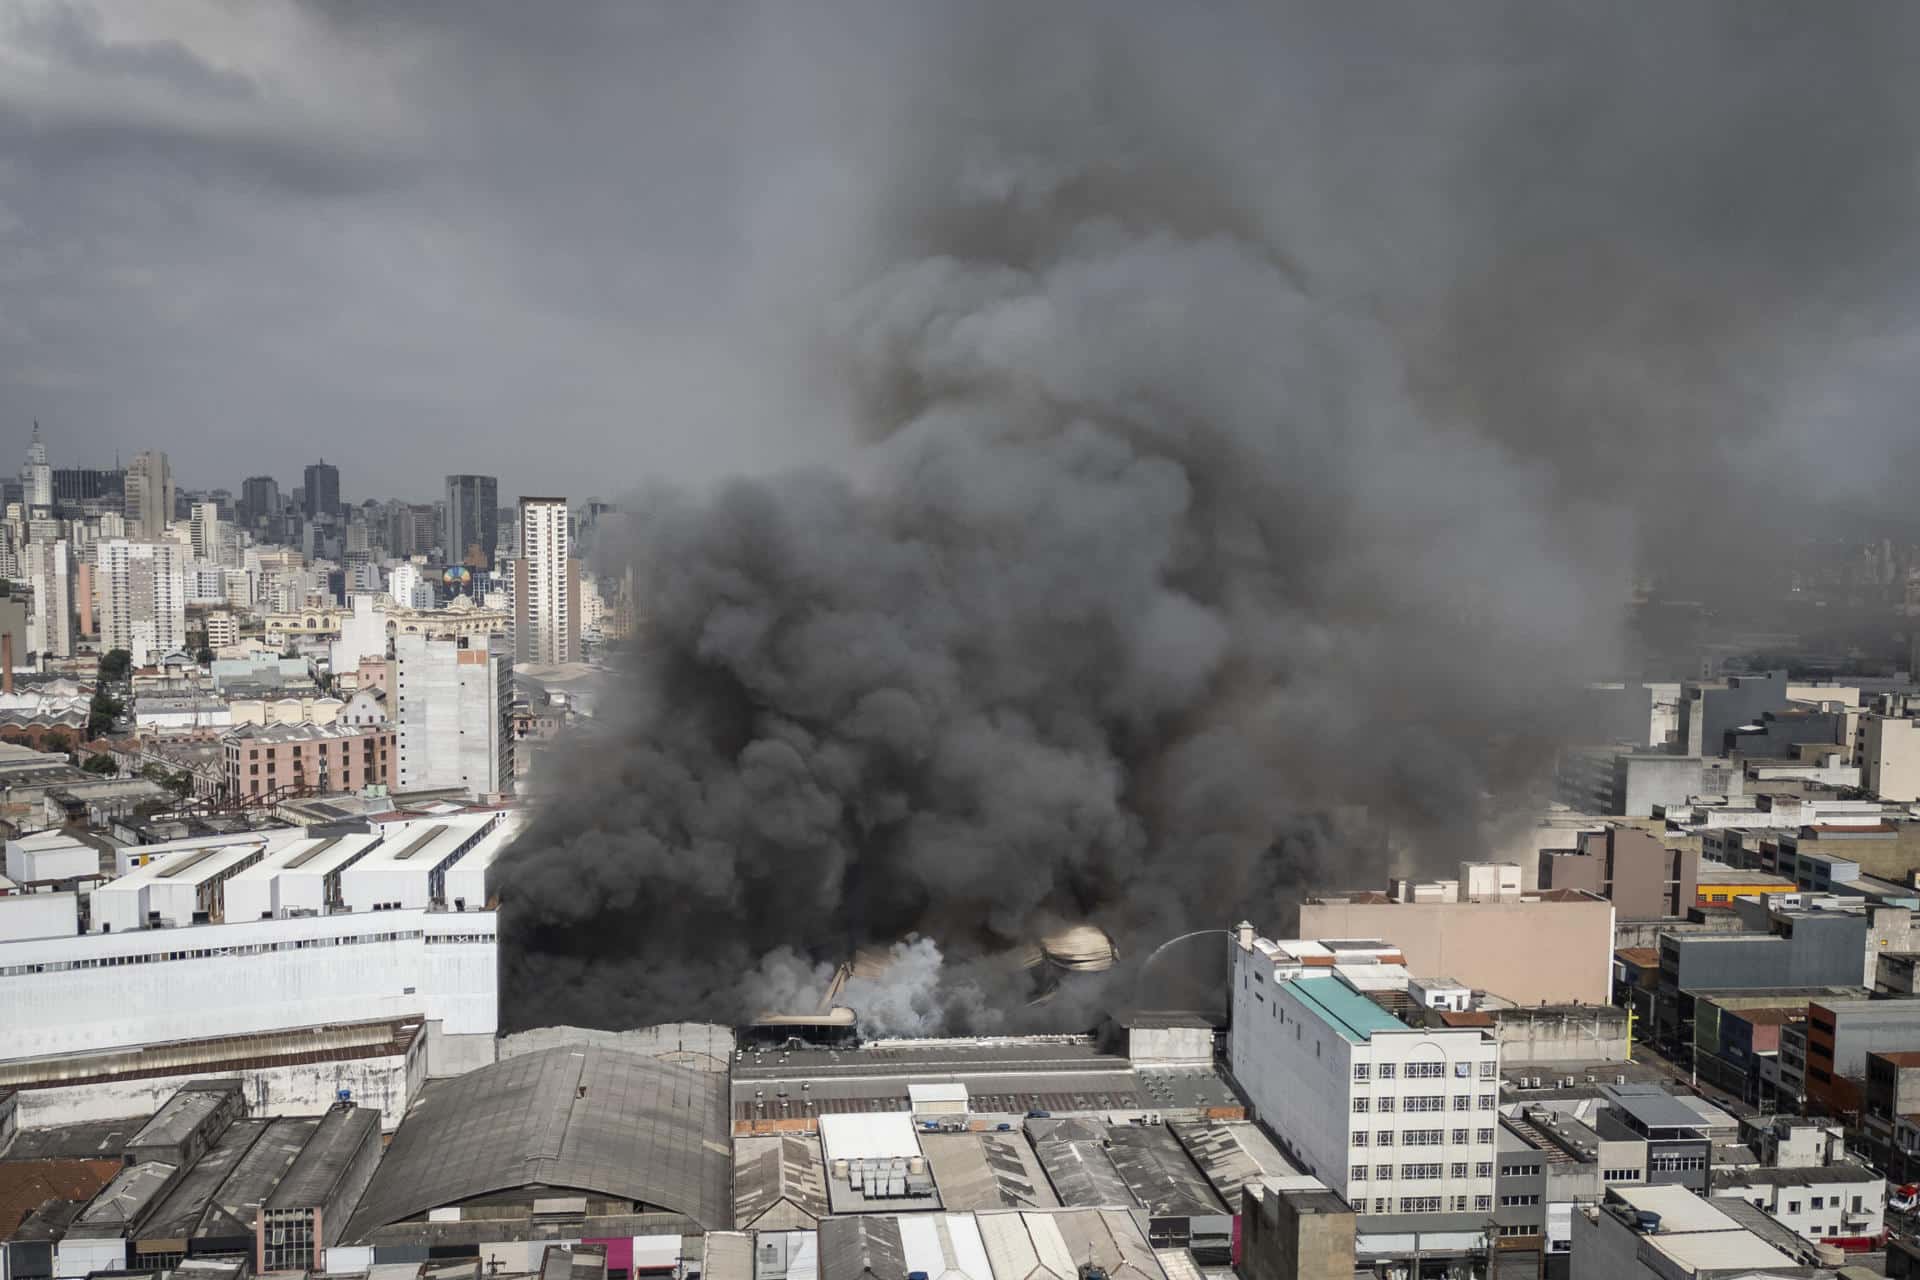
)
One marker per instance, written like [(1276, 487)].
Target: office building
[(149, 496), (472, 521), (1669, 1233), (1401, 1120), (1712, 710), (259, 500), (49, 570), (36, 478), (321, 492), (453, 709), (546, 585), (77, 488), (204, 533), (142, 597)]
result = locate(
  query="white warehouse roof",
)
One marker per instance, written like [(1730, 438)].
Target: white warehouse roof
[(883, 1135)]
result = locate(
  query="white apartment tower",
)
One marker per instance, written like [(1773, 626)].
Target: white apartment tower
[(205, 534), (546, 585), (1401, 1120), (149, 496), (49, 567), (453, 705), (142, 598)]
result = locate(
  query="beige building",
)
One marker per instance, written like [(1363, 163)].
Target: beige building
[(287, 710), (1889, 751), (1554, 947), (461, 619)]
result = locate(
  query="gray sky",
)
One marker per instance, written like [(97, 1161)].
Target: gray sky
[(579, 245)]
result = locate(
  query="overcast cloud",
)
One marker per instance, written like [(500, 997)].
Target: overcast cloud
[(578, 244)]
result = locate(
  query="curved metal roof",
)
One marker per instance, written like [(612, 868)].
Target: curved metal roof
[(580, 1117)]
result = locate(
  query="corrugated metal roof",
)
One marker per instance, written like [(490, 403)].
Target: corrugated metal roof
[(865, 1248), (769, 1171), (987, 1171), (1159, 1173), (947, 1246), (729, 1256), (116, 1211), (1232, 1153), (590, 1119), (1084, 1176), (230, 1213), (176, 1217), (1026, 1247), (343, 1134)]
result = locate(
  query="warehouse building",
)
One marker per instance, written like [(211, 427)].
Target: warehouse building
[(778, 1183), (611, 1143)]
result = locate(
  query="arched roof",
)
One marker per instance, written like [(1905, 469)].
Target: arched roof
[(575, 1116)]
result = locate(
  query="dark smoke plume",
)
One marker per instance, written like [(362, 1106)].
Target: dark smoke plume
[(1257, 416)]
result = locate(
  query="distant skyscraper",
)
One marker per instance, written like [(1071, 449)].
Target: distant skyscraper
[(546, 585), (260, 497), (205, 532), (73, 486), (49, 567), (149, 495), (322, 489), (142, 594), (36, 478), (473, 520)]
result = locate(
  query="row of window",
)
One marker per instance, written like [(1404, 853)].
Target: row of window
[(1421, 1070), (1513, 1202), (254, 949), (1424, 1103), (1458, 1169), (1425, 1204), (1421, 1137)]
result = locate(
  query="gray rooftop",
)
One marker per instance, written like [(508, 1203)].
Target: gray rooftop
[(177, 1216), (230, 1210), (342, 1135), (123, 1203), (90, 1140), (767, 1171), (977, 1171), (589, 1119), (865, 1248), (1082, 1173), (1159, 1173), (184, 1112), (1811, 1176), (1652, 1106), (1232, 1153)]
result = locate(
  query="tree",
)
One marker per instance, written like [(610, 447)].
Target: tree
[(115, 664), (102, 764), (59, 740), (181, 783), (102, 712)]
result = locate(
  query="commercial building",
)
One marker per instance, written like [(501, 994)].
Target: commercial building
[(1633, 869), (1712, 710), (1678, 1150), (310, 1207), (1296, 1229), (1891, 1097), (1840, 1034), (149, 496), (1554, 947), (1399, 1119), (274, 759), (1669, 1233), (1840, 1204), (473, 521), (546, 585), (320, 493), (142, 598), (1605, 780), (1889, 753), (453, 712), (259, 500)]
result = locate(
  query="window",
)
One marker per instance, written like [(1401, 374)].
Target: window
[(1793, 1206), (1622, 1175), (1359, 1173), (1484, 1137), (1420, 1172), (1459, 1170), (1460, 1135), (1462, 1070), (1486, 1070), (1419, 1204), (1482, 1203), (1459, 1204), (1383, 1171), (1486, 1102), (1360, 1071), (1384, 1105), (1818, 1202), (1510, 1202), (1382, 1205), (1425, 1070), (1426, 1102), (1386, 1071), (1484, 1169), (1359, 1137), (1463, 1102), (1856, 1204), (1421, 1138), (1384, 1138), (1359, 1106)]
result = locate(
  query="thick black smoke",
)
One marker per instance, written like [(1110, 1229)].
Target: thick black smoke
[(1233, 510)]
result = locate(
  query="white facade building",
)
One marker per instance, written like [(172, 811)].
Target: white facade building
[(36, 478), (1821, 1202), (363, 634), (205, 535), (50, 569), (409, 867), (142, 598), (119, 990), (1402, 1121), (408, 586), (149, 495), (546, 586), (452, 702)]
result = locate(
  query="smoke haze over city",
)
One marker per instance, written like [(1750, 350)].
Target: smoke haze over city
[(1109, 463)]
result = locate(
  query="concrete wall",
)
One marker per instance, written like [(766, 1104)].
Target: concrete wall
[(1890, 765), (1596, 1034), (1650, 880), (297, 1089), (1170, 1044), (1289, 1235), (1529, 952), (455, 1055), (39, 915)]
